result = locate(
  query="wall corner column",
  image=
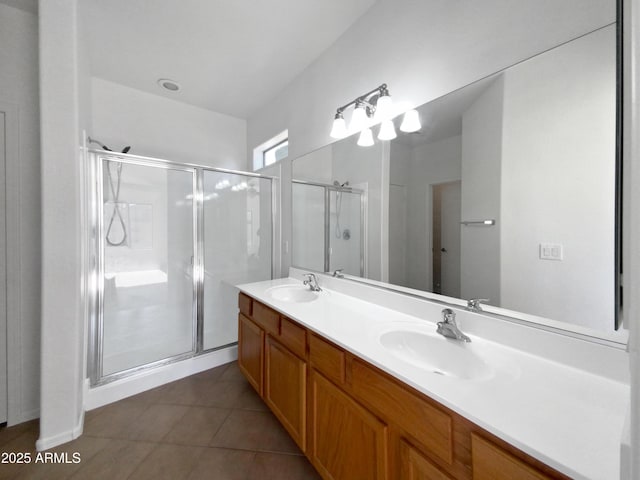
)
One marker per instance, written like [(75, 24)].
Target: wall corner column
[(61, 409)]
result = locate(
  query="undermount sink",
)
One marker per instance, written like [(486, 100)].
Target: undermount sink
[(433, 352), (292, 293)]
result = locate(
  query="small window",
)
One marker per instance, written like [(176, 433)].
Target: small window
[(271, 151), (275, 153)]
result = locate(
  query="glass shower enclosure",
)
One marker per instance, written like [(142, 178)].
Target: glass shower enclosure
[(170, 242), (330, 229)]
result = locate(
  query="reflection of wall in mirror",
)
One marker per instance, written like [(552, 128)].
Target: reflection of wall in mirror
[(482, 126), (558, 182), (417, 168), (316, 166), (308, 212), (536, 154)]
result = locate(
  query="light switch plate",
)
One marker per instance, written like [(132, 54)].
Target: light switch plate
[(551, 251)]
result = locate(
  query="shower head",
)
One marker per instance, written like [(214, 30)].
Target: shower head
[(104, 147), (336, 183)]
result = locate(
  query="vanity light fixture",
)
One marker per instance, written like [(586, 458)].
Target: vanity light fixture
[(366, 138), (360, 116), (339, 129), (410, 122), (387, 130), (375, 106)]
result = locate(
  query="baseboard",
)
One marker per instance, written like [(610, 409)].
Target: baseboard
[(112, 392), (64, 437)]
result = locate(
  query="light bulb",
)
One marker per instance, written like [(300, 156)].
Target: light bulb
[(339, 129), (387, 130), (410, 122), (358, 119), (366, 138), (383, 108)]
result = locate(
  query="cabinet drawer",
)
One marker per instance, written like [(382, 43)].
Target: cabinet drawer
[(414, 466), (293, 336), (430, 426), (266, 318), (327, 358), (244, 304), (491, 462)]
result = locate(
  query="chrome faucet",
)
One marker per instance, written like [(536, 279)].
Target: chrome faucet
[(312, 282), (449, 328), (473, 305), (338, 273)]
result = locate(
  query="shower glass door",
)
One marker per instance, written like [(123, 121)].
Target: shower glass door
[(345, 225), (147, 226), (237, 246)]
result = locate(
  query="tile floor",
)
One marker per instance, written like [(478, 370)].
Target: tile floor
[(208, 426)]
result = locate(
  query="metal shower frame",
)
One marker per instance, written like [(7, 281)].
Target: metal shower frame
[(96, 246)]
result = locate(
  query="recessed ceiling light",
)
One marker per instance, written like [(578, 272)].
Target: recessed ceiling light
[(169, 84)]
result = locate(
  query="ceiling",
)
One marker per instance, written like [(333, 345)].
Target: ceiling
[(228, 56)]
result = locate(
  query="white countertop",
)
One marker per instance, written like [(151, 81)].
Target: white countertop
[(568, 418)]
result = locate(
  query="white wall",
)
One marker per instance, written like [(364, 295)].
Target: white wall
[(431, 163), (19, 88), (631, 233), (308, 239), (158, 127), (316, 166), (63, 335), (281, 174), (422, 50), (557, 186), (399, 163), (482, 126)]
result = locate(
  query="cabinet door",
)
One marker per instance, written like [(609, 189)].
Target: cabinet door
[(348, 442), (490, 462), (285, 389), (414, 466), (250, 351)]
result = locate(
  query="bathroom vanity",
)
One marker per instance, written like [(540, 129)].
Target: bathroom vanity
[(346, 381)]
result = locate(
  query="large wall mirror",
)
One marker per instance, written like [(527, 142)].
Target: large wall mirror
[(507, 193)]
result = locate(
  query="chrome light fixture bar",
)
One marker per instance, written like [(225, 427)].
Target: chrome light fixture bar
[(373, 107)]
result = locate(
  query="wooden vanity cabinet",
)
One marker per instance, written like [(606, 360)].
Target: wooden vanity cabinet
[(346, 441), (251, 351), (491, 462), (354, 421), (285, 389), (415, 466), (271, 355)]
